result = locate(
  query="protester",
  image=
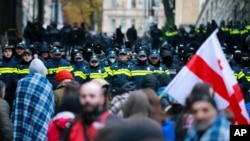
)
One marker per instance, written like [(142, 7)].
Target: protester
[(93, 116), (68, 110), (208, 123), (62, 77), (105, 87), (6, 133), (137, 110), (129, 132), (33, 107), (72, 87)]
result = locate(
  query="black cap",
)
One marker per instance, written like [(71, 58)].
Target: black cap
[(94, 58), (112, 54), (7, 47), (20, 45), (142, 53), (57, 51), (123, 51), (154, 54), (78, 55), (57, 44), (27, 51)]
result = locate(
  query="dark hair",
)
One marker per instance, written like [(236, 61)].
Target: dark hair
[(150, 81), (70, 103), (163, 79), (199, 88), (129, 132), (156, 112), (2, 86), (71, 87), (203, 97)]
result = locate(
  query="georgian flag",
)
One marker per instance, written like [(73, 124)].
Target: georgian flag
[(210, 65)]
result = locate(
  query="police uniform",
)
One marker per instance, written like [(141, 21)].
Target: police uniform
[(78, 71), (159, 67), (95, 72), (121, 70), (8, 72), (139, 70), (112, 59), (55, 65), (23, 66)]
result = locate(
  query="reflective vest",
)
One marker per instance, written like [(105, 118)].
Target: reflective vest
[(53, 71)]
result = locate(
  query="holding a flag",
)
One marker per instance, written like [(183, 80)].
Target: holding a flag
[(209, 65)]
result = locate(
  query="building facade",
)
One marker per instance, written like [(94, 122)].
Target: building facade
[(227, 10), (187, 11), (129, 12)]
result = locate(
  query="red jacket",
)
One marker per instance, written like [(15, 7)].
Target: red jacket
[(77, 130), (58, 124)]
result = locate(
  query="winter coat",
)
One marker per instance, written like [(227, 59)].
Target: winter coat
[(6, 133), (58, 124)]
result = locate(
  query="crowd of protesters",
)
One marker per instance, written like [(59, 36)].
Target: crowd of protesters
[(71, 85)]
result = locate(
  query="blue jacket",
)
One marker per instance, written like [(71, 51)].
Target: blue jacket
[(168, 130), (54, 66), (78, 72), (138, 71)]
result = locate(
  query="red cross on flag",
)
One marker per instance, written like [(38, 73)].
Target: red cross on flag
[(209, 65)]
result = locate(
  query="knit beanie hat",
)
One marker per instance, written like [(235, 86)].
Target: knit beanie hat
[(37, 66), (203, 97), (62, 75)]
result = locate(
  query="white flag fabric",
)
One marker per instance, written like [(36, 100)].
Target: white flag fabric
[(210, 65)]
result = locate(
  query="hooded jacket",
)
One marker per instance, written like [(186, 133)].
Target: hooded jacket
[(137, 110), (58, 124)]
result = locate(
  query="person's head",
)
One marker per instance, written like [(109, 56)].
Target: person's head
[(64, 76), (245, 60), (27, 55), (137, 103), (199, 88), (94, 61), (20, 49), (163, 79), (123, 55), (37, 66), (174, 111), (57, 54), (142, 56), (154, 58), (45, 55), (70, 103), (204, 111), (112, 57), (129, 132), (204, 88), (103, 83), (78, 57), (91, 98), (2, 89), (150, 81), (156, 112), (7, 51), (72, 87)]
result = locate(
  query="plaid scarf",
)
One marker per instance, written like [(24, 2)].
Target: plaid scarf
[(33, 108), (218, 131)]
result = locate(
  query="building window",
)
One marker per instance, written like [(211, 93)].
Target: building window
[(133, 3), (114, 4), (113, 25), (123, 24), (133, 22)]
